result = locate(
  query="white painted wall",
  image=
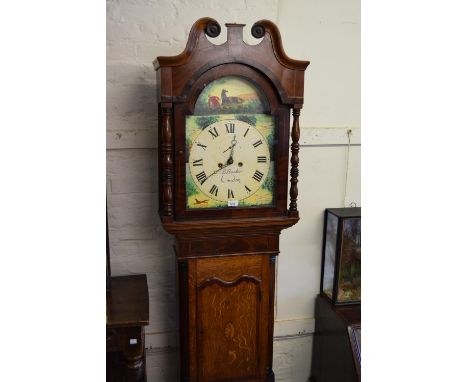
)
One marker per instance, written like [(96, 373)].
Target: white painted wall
[(326, 32)]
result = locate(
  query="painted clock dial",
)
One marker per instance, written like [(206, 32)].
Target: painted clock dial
[(229, 161), (230, 147)]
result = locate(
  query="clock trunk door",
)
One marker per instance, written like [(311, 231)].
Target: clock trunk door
[(228, 319)]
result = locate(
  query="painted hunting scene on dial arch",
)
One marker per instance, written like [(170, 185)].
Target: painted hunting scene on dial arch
[(231, 94)]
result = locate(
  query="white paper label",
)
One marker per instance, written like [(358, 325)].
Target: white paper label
[(133, 341), (233, 203)]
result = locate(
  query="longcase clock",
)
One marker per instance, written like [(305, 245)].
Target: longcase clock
[(224, 136)]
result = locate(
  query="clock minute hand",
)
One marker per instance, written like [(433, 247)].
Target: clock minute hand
[(219, 169), (233, 144)]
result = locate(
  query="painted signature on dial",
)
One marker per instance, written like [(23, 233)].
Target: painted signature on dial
[(228, 175)]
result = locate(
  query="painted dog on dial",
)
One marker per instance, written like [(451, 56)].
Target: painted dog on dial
[(225, 100)]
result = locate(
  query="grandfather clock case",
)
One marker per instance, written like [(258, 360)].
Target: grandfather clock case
[(225, 142)]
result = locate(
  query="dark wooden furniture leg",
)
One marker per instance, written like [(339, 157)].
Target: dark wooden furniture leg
[(134, 353)]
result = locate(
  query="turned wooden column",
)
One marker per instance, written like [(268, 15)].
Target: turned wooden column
[(295, 135), (167, 159)]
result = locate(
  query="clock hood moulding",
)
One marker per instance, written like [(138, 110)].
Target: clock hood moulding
[(267, 57)]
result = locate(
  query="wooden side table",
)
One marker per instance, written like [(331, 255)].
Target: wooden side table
[(127, 316)]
